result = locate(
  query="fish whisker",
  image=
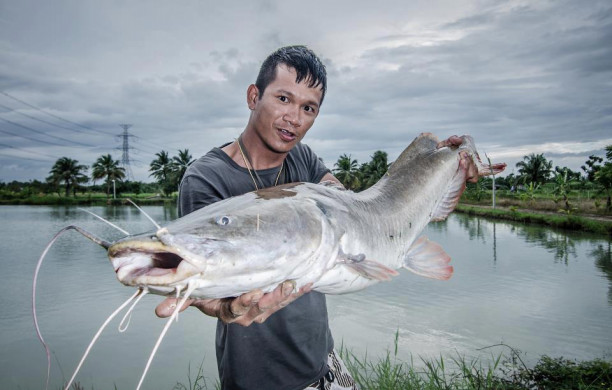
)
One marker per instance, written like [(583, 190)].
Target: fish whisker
[(128, 314), (145, 214), (95, 338), (190, 288), (105, 220), (97, 240)]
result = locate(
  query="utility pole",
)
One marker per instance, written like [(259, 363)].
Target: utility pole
[(125, 157), (493, 176)]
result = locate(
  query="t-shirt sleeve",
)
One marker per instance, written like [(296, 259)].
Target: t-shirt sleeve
[(317, 168), (194, 194)]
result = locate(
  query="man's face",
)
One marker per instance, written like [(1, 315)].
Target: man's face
[(285, 112)]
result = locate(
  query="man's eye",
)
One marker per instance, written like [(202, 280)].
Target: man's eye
[(309, 109), (283, 99)]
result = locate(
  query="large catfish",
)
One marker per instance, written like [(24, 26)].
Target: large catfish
[(338, 240)]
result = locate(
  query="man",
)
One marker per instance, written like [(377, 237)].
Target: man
[(260, 346)]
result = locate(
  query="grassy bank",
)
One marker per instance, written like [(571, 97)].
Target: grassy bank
[(88, 200), (505, 372), (569, 222)]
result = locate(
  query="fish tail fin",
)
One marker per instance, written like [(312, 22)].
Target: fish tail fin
[(427, 258)]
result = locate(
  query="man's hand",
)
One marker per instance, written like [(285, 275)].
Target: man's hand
[(466, 162), (254, 306)]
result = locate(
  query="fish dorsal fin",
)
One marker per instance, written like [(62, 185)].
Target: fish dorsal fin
[(426, 258), (424, 143), (367, 268)]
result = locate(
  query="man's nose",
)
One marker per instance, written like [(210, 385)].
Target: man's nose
[(292, 116)]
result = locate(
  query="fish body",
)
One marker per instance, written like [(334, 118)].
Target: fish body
[(339, 241)]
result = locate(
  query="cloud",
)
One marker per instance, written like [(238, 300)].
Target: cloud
[(521, 77)]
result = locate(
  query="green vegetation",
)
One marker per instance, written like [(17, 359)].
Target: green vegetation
[(569, 222), (500, 372), (359, 179), (169, 171), (556, 197), (108, 169), (504, 373)]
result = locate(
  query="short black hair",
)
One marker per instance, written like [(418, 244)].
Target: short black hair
[(305, 62)]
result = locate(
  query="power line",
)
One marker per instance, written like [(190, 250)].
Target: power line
[(151, 145), (27, 151), (45, 134), (41, 120), (53, 115), (31, 139)]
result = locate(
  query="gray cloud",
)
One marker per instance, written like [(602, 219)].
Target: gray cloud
[(520, 77)]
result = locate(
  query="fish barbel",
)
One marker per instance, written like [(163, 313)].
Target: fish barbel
[(339, 241)]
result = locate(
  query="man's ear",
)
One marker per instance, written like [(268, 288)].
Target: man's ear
[(252, 96)]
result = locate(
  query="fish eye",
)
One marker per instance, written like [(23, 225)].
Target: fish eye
[(223, 220)]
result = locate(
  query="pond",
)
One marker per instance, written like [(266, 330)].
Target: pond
[(537, 290)]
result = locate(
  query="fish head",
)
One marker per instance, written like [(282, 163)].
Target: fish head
[(247, 234)]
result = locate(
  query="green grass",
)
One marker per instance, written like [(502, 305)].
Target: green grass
[(90, 199), (568, 222), (504, 372)]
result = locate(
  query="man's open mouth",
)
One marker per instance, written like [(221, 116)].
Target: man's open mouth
[(287, 135)]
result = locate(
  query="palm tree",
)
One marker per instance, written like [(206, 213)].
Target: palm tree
[(347, 172), (107, 168), (603, 177), (163, 170), (373, 171), (181, 162), (68, 172), (535, 168)]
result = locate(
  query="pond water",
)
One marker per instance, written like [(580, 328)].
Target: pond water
[(538, 290)]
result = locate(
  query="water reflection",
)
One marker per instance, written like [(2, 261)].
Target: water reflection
[(475, 227), (558, 243), (603, 261), (561, 244)]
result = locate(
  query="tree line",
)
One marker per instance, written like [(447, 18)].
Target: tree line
[(69, 176), (533, 171)]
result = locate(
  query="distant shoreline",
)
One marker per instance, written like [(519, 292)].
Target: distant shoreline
[(599, 224)]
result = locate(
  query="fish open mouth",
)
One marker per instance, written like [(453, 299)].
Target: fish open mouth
[(145, 263)]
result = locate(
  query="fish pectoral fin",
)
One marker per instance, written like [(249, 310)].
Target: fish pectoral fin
[(427, 258), (367, 268)]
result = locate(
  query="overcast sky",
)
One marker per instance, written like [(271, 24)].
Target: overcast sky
[(520, 76)]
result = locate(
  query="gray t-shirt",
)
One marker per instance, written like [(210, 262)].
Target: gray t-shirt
[(289, 350)]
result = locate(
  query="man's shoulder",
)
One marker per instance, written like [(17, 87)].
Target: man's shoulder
[(303, 153), (213, 161)]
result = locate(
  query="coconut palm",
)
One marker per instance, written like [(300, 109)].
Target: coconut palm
[(68, 172), (373, 171), (534, 168), (603, 177), (181, 162), (163, 170), (347, 172), (107, 168)]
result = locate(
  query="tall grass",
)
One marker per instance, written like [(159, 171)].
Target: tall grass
[(504, 372)]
